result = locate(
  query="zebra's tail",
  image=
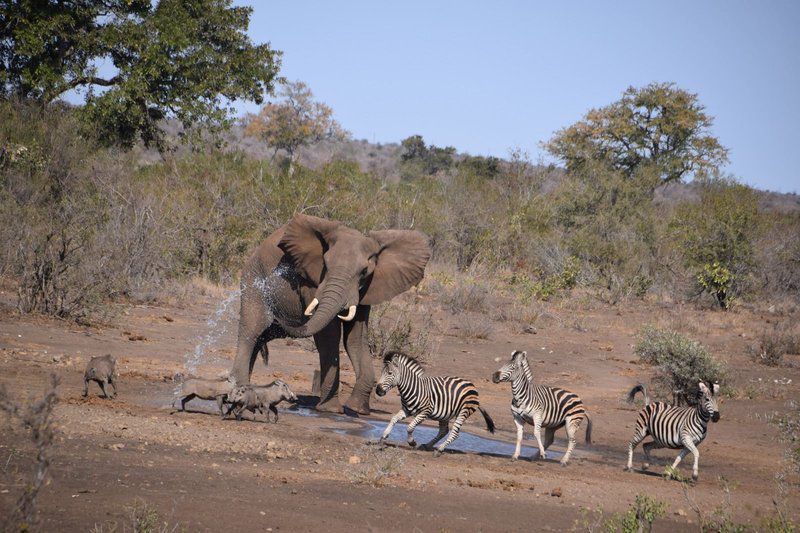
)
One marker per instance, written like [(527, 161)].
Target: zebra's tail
[(488, 419), (588, 430), (638, 388)]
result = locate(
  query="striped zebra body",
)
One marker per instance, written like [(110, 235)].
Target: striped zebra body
[(440, 398), (673, 427), (544, 407)]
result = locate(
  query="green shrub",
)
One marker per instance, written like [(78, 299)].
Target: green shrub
[(715, 237), (640, 517), (681, 363)]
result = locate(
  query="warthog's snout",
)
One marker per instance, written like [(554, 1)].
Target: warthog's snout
[(496, 377)]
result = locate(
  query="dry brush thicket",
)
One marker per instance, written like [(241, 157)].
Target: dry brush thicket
[(83, 225)]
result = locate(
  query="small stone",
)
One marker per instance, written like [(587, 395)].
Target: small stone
[(117, 446), (680, 512), (56, 358), (262, 513), (556, 492), (497, 359), (354, 460)]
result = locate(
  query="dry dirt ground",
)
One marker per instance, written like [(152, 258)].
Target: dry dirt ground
[(318, 473)]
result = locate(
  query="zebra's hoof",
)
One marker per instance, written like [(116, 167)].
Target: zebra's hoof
[(627, 469), (694, 477), (436, 453), (514, 459), (412, 443), (543, 456), (564, 463)]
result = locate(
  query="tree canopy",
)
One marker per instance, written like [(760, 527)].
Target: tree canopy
[(417, 158), (658, 125), (295, 120), (184, 59)]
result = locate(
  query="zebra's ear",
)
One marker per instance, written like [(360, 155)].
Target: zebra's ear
[(703, 387), (715, 388)]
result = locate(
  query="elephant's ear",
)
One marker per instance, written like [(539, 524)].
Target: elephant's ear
[(305, 239), (400, 264)]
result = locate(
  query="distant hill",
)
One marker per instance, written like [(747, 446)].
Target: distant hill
[(383, 160)]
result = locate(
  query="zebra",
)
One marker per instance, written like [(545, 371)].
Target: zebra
[(674, 427), (437, 397), (542, 406)]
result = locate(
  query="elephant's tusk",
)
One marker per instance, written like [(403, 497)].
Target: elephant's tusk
[(310, 309), (351, 314)]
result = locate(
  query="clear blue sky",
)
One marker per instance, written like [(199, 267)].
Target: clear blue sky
[(488, 76)]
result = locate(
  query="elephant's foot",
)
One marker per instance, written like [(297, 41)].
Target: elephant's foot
[(331, 406), (358, 404)]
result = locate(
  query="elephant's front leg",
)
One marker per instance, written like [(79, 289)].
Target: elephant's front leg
[(357, 346), (254, 318), (327, 341)]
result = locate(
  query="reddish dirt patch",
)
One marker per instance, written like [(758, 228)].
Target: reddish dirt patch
[(212, 474)]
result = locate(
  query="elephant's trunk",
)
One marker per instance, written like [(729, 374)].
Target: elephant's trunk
[(331, 299)]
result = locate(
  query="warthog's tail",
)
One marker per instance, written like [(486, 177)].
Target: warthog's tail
[(638, 388), (487, 419)]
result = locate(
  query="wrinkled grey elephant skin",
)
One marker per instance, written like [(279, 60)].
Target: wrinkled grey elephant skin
[(317, 277)]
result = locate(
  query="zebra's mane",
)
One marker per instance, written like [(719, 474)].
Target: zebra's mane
[(405, 360)]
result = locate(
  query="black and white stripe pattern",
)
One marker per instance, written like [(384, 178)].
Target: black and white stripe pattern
[(435, 397), (542, 406), (674, 427)]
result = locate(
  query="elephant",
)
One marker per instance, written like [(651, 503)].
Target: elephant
[(318, 277)]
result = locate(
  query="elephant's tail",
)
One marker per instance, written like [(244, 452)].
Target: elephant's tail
[(487, 419)]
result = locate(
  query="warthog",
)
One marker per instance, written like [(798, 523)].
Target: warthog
[(259, 398), (102, 371), (206, 389)]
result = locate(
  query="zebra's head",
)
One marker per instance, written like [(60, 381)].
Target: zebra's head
[(708, 400), (395, 364), (511, 370)]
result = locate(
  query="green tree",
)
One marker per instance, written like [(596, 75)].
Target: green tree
[(659, 125), (417, 158), (716, 234), (294, 121), (183, 59)]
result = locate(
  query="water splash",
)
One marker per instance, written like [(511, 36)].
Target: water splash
[(216, 326)]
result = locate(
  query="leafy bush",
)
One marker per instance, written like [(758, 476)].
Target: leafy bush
[(681, 363), (640, 517), (715, 236)]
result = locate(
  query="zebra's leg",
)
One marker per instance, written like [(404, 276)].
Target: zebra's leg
[(638, 436), (549, 436), (680, 457), (690, 446), (419, 419), (401, 414), (444, 426), (520, 423), (537, 432), (647, 446), (462, 416), (572, 429)]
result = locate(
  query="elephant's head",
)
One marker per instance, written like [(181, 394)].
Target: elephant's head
[(349, 268)]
